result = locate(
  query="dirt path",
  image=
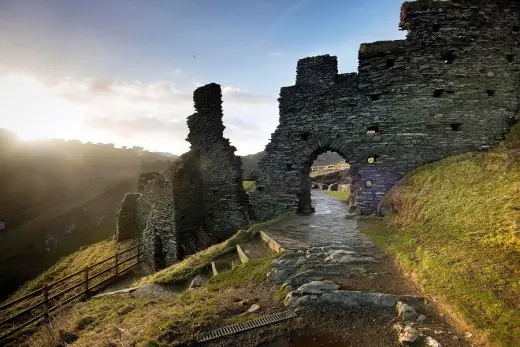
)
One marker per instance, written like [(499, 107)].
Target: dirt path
[(333, 271)]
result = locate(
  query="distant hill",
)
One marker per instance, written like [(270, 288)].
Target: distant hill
[(57, 196), (250, 162)]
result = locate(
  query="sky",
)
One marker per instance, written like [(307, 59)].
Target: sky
[(123, 71)]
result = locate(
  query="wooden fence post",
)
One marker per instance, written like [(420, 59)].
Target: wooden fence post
[(46, 305), (86, 281)]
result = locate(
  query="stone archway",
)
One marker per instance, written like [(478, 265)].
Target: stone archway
[(412, 102), (304, 196)]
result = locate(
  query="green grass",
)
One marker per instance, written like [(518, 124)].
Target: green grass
[(201, 261), (253, 271), (457, 228), (68, 265), (153, 322), (340, 195), (249, 186)]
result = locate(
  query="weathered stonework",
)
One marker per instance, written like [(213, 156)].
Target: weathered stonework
[(144, 178), (156, 217), (223, 197), (127, 226), (450, 87), (200, 199)]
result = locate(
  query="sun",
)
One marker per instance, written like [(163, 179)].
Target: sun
[(34, 111)]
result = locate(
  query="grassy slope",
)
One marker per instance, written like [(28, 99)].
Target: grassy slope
[(198, 262), (68, 265), (249, 186), (57, 197), (457, 229), (153, 322), (341, 196)]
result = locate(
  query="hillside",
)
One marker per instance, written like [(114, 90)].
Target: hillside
[(250, 162), (455, 226), (59, 196)]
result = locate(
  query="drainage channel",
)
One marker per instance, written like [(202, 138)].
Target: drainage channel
[(255, 323)]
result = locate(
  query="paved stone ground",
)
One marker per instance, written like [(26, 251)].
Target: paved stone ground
[(330, 263), (326, 227)]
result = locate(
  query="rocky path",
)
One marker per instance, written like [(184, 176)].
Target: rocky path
[(326, 227), (330, 263)]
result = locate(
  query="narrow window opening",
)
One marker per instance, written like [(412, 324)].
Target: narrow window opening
[(408, 60), (456, 126), (289, 167), (438, 93), (372, 159), (215, 191), (436, 28), (448, 57), (516, 28), (183, 217), (490, 92), (451, 92), (390, 63), (210, 215), (260, 188), (305, 136), (510, 58), (374, 129), (374, 97), (368, 184)]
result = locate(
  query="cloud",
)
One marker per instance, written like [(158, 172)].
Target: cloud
[(235, 95), (178, 71), (127, 113)]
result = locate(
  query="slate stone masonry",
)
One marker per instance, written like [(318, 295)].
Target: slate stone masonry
[(196, 202), (450, 87)]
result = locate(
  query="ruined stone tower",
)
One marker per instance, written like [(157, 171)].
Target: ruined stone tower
[(209, 195), (450, 87), (198, 201)]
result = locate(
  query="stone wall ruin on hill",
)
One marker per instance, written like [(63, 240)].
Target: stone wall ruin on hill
[(200, 199), (450, 87)]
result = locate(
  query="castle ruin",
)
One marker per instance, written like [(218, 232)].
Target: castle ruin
[(198, 201), (450, 87)]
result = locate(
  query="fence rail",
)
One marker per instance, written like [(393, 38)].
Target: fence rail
[(331, 168), (39, 304)]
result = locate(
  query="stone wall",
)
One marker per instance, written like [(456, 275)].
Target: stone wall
[(223, 199), (450, 87), (156, 216), (200, 199), (127, 223)]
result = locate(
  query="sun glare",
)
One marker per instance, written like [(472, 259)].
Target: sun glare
[(33, 111)]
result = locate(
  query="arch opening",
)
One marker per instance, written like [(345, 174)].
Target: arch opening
[(325, 171)]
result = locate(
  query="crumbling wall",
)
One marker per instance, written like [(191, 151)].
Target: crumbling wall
[(450, 87), (156, 217), (127, 223), (222, 193), (144, 178), (189, 205), (200, 199)]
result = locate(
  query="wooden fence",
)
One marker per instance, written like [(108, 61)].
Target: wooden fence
[(39, 304), (330, 168)]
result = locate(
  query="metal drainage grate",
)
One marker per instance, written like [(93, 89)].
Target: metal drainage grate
[(255, 323)]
